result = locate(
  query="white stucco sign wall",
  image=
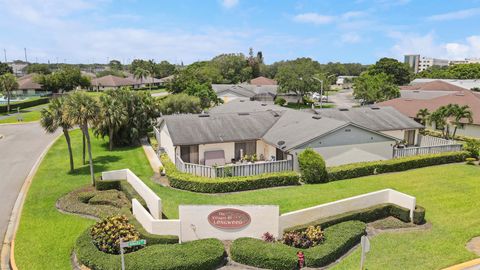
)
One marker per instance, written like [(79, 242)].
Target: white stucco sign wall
[(227, 222)]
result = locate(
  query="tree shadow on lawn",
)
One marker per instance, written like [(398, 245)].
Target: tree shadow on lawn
[(100, 164)]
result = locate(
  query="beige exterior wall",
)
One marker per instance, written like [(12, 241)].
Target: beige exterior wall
[(166, 142), (228, 149), (400, 134), (470, 130), (266, 150)]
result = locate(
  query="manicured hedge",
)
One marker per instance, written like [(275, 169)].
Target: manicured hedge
[(194, 183), (368, 215), (201, 254), (393, 165), (107, 184), (23, 105), (339, 239)]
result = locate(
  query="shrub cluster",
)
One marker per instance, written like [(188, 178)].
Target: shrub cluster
[(106, 234), (472, 146), (24, 104), (202, 254), (393, 165), (312, 167), (195, 183), (339, 239), (280, 101), (107, 184), (310, 237)]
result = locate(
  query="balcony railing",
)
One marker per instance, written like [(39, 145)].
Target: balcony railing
[(230, 170)]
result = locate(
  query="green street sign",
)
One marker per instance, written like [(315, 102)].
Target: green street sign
[(140, 242)]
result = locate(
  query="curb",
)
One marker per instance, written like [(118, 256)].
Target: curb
[(465, 265), (152, 157), (8, 245)]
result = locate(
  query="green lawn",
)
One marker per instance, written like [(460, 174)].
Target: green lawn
[(450, 194), (28, 115), (45, 237)]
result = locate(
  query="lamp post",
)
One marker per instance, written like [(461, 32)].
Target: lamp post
[(321, 90)]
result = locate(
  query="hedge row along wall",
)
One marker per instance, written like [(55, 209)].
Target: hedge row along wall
[(195, 183), (339, 239), (200, 254), (393, 165), (23, 105)]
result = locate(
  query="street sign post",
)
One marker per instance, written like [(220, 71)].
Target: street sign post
[(123, 245), (365, 243)]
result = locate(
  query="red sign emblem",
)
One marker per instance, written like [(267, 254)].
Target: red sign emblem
[(229, 218)]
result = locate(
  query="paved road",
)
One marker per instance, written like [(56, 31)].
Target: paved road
[(20, 148), (343, 99)]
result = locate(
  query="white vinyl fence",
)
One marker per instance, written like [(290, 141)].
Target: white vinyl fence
[(428, 145)]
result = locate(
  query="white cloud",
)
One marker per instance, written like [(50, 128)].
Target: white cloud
[(353, 15), (314, 18), (456, 15), (427, 45), (229, 3), (351, 38)]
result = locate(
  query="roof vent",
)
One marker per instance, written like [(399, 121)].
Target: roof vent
[(264, 104), (343, 109), (408, 99), (460, 94), (317, 117), (416, 91), (375, 108), (241, 100), (275, 114), (280, 143), (243, 113), (204, 115)]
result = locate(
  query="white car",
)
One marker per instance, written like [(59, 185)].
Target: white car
[(316, 96)]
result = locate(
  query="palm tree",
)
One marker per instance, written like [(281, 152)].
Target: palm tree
[(8, 83), (53, 118), (459, 114), (113, 116), (140, 74), (82, 110), (152, 70), (438, 117), (423, 116)]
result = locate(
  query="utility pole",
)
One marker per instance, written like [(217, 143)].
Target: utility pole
[(25, 50)]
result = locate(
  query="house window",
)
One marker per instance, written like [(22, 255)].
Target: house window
[(189, 153), (245, 148), (409, 137)]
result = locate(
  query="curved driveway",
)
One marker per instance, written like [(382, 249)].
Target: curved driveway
[(20, 148)]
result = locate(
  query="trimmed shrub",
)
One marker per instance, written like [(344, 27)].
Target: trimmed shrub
[(310, 237), (131, 193), (419, 215), (107, 184), (280, 101), (339, 239), (472, 146), (195, 183), (393, 165), (366, 215), (312, 167), (470, 161), (106, 234), (24, 104), (201, 254)]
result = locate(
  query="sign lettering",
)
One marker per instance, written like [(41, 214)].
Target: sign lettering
[(229, 218)]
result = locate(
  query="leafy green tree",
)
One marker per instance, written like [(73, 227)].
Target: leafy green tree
[(460, 71), (8, 84), (180, 103), (164, 69), (233, 67), (459, 114), (423, 115), (5, 68), (67, 78), (375, 88), (297, 76), (39, 69), (113, 115), (112, 72), (204, 92), (439, 119), (115, 65), (400, 72), (53, 117), (83, 110), (140, 74), (152, 71), (312, 167)]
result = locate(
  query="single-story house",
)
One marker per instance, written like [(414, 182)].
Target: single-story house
[(27, 86), (229, 92), (112, 82), (410, 108), (428, 90), (465, 84), (386, 120), (263, 81), (145, 81), (223, 138)]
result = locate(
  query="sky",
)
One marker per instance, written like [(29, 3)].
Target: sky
[(87, 31)]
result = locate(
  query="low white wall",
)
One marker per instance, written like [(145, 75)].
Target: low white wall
[(195, 225), (154, 203), (155, 226), (301, 217)]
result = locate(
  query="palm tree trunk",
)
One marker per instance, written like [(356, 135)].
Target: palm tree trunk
[(83, 147), (151, 84), (69, 145), (110, 136), (8, 102), (87, 136), (454, 132)]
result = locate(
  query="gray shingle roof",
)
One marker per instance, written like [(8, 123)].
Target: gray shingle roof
[(246, 105), (246, 90), (296, 127), (186, 129), (378, 119)]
